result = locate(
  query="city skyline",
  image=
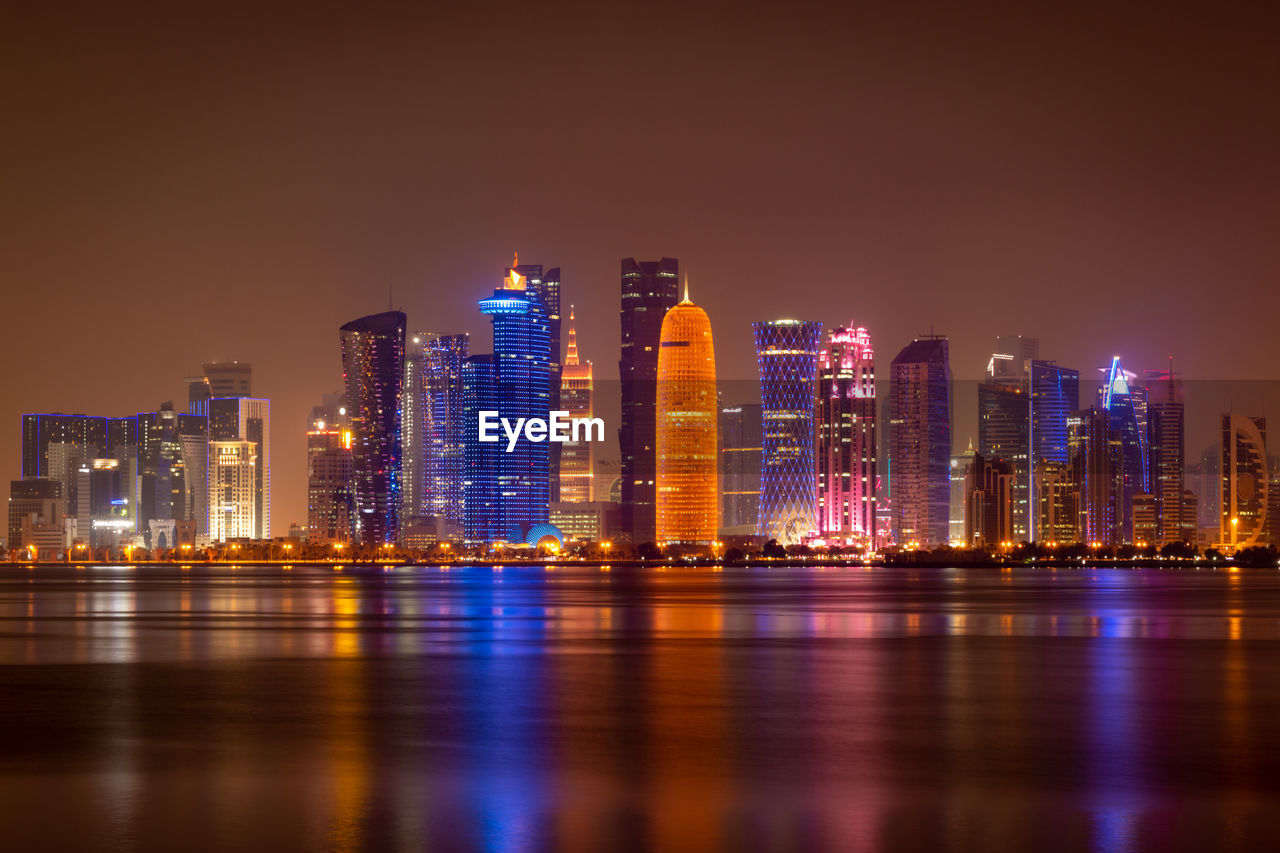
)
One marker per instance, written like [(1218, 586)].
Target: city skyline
[(1074, 184)]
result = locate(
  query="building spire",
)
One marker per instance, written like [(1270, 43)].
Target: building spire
[(571, 357), (686, 300)]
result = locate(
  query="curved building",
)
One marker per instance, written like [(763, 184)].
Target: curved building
[(373, 370), (787, 353), (1244, 481), (687, 495)]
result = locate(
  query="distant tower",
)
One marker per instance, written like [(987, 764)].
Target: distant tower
[(329, 501), (1167, 433), (546, 287), (229, 379), (577, 458), (847, 436), (233, 420), (920, 442), (649, 290), (373, 369), (1126, 406), (787, 354), (1244, 482), (687, 497)]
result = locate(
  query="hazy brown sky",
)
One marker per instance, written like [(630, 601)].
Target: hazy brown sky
[(227, 181)]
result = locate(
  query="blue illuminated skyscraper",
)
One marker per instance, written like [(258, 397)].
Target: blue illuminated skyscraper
[(787, 353), (1126, 407), (480, 459), (373, 369), (442, 360), (1055, 397), (520, 387)]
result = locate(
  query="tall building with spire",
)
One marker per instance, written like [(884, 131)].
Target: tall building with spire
[(577, 458), (846, 427), (511, 489), (920, 442), (545, 285), (649, 290), (686, 496), (787, 355)]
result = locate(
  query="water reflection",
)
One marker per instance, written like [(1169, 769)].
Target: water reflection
[(583, 709)]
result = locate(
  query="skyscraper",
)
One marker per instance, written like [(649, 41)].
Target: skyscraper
[(228, 379), (520, 387), (1167, 456), (920, 442), (443, 356), (649, 290), (1055, 397), (988, 504), (233, 421), (330, 504), (1097, 472), (1004, 434), (686, 495), (233, 490), (480, 459), (1010, 364), (577, 458), (546, 286), (1126, 405), (373, 371), (846, 426), (1245, 482), (413, 431), (787, 355), (741, 448)]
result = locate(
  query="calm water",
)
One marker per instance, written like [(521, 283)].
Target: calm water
[(770, 709)]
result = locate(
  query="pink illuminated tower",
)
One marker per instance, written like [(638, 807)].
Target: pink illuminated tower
[(846, 431)]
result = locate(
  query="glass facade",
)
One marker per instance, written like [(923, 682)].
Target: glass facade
[(686, 495), (443, 357), (649, 290), (373, 372), (787, 354), (920, 443), (847, 437)]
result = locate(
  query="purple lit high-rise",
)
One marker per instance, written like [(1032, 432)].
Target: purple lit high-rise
[(373, 370)]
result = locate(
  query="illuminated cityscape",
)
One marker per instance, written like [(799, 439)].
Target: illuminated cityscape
[(947, 518)]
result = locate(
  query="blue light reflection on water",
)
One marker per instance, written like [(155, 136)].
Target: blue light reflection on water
[(503, 710)]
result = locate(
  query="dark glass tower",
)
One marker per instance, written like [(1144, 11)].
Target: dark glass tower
[(373, 370), (741, 445), (1167, 429), (649, 290), (787, 353), (920, 442), (1004, 435), (442, 360)]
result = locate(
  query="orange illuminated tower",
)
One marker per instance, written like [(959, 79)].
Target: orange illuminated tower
[(687, 499), (577, 458)]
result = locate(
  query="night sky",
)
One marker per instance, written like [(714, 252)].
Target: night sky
[(235, 183)]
